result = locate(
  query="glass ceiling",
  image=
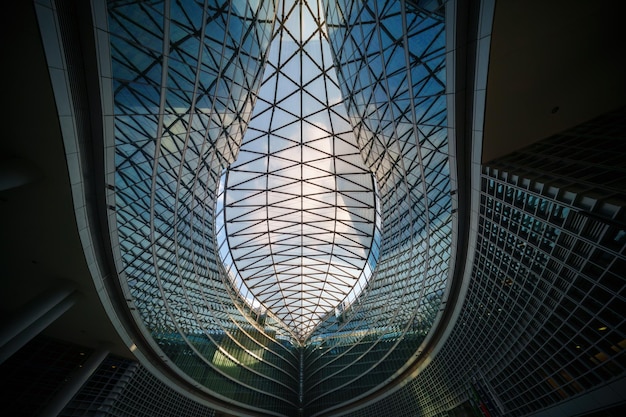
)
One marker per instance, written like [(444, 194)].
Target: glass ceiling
[(297, 211), (248, 220)]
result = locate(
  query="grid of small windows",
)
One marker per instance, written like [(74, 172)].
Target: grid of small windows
[(563, 328), (122, 387), (543, 318), (146, 396)]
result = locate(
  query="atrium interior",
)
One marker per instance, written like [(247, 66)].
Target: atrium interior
[(313, 208)]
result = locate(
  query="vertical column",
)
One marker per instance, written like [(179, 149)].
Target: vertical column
[(75, 382), (34, 317)]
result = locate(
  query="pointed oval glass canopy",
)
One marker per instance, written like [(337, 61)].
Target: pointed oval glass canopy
[(297, 213)]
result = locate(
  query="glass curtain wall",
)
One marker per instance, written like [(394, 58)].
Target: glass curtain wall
[(390, 58), (283, 207), (185, 74)]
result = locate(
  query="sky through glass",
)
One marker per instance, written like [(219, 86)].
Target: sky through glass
[(297, 218)]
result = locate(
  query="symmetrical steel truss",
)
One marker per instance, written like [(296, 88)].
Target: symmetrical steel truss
[(284, 214)]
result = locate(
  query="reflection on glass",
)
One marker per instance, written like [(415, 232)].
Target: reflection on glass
[(296, 219)]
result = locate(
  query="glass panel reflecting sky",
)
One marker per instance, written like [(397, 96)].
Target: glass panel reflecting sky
[(297, 210)]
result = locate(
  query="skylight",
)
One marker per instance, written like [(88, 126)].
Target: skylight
[(297, 219)]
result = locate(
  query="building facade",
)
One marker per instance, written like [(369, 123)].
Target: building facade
[(541, 330)]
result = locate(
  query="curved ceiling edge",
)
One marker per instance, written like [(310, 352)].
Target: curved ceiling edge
[(72, 35), (92, 186), (151, 187), (475, 20)]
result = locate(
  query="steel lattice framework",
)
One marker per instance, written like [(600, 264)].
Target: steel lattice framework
[(283, 214), (299, 207)]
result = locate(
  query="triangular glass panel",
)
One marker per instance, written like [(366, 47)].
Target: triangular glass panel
[(300, 242)]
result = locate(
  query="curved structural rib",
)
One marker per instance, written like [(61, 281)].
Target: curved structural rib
[(191, 90)]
